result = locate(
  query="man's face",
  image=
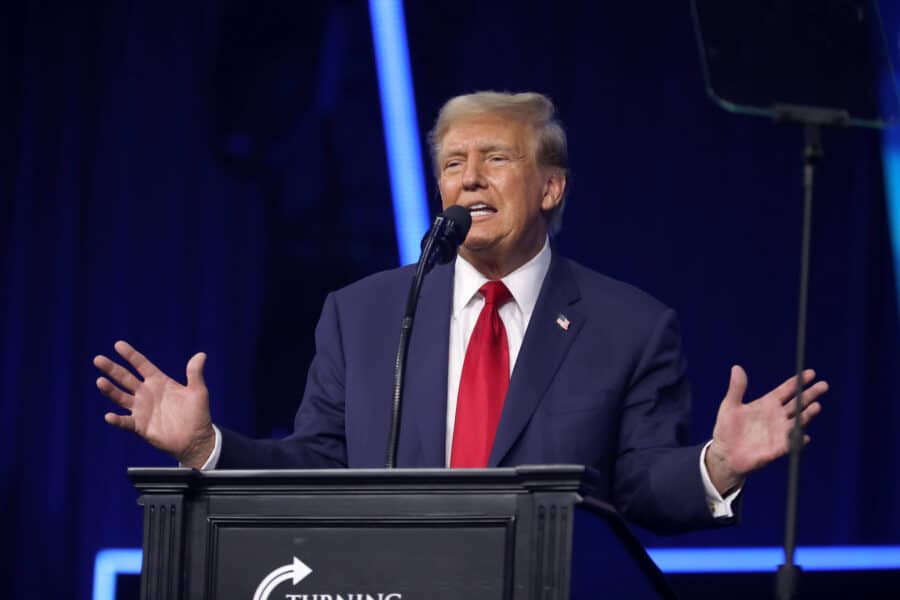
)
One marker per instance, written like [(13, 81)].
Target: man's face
[(487, 164)]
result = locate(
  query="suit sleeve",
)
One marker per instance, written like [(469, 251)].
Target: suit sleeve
[(657, 481), (319, 439)]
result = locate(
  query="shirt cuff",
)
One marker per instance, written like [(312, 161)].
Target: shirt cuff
[(719, 507), (213, 459)]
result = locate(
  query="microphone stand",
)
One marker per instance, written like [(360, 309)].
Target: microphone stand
[(813, 119), (439, 245), (409, 316)]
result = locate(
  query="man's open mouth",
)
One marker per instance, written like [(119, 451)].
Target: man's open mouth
[(481, 210)]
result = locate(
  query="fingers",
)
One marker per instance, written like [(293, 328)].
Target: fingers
[(195, 370), (121, 421), (811, 411), (788, 389), (737, 386), (808, 414), (809, 396), (115, 394), (136, 359), (122, 376)]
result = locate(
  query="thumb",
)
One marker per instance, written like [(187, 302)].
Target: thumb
[(195, 370), (737, 386)]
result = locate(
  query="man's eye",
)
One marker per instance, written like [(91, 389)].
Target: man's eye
[(495, 158), (452, 164)]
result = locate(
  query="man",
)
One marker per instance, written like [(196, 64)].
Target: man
[(597, 375)]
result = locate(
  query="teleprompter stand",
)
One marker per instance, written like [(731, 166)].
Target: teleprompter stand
[(814, 63), (523, 533), (812, 119)]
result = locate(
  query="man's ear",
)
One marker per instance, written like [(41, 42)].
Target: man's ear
[(554, 188)]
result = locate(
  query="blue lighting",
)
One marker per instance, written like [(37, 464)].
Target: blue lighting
[(112, 562), (401, 131), (891, 160), (743, 560), (890, 152), (109, 564)]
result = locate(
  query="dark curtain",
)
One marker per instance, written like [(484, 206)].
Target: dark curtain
[(196, 176), (146, 196)]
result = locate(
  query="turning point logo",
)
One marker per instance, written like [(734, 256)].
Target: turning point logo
[(296, 572)]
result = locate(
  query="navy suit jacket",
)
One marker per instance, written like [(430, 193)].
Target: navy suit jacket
[(610, 391)]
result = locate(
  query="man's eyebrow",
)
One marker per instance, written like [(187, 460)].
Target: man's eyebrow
[(483, 149), (452, 151), (495, 147)]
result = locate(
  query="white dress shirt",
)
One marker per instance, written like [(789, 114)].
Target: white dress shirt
[(524, 284)]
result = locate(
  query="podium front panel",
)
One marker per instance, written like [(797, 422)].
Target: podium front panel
[(398, 559), (360, 545)]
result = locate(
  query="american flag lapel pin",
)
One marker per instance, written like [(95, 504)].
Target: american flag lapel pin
[(563, 322)]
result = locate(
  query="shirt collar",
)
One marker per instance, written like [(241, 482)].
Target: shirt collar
[(524, 283)]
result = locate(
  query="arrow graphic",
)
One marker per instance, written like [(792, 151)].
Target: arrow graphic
[(295, 572)]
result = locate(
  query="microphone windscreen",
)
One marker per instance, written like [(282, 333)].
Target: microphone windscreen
[(462, 221)]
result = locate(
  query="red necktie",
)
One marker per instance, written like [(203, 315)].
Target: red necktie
[(482, 386)]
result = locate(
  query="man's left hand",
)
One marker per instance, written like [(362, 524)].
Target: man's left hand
[(749, 436)]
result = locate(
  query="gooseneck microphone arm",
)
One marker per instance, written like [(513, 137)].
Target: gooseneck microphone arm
[(438, 246)]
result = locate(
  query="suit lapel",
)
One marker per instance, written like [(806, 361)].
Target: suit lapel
[(543, 349), (425, 389)]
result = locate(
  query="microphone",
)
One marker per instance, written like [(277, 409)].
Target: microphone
[(448, 231), (438, 246)]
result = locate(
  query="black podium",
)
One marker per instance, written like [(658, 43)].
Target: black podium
[(524, 533)]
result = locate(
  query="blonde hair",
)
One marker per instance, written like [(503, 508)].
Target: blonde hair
[(537, 110)]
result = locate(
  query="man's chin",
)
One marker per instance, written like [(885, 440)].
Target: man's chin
[(478, 245)]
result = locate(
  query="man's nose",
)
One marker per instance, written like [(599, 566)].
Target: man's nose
[(472, 175)]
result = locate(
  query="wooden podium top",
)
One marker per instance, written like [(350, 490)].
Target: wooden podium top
[(571, 478)]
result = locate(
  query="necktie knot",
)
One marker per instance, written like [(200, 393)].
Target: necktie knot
[(496, 293)]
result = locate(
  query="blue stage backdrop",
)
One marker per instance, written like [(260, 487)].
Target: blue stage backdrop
[(197, 175)]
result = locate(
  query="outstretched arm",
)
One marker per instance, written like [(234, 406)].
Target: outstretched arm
[(173, 417)]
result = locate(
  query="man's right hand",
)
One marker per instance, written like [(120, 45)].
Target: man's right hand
[(173, 417)]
